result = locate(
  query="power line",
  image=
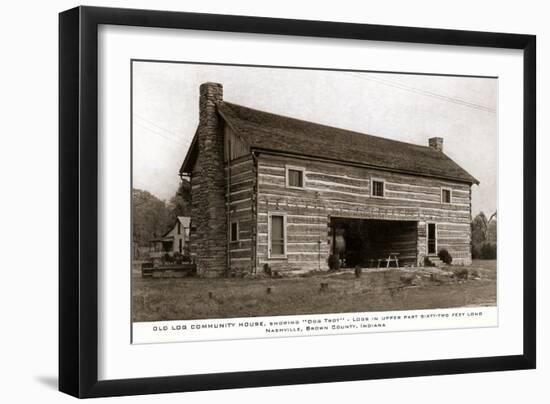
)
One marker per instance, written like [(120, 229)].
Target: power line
[(157, 125), (404, 87), (159, 134), (442, 97)]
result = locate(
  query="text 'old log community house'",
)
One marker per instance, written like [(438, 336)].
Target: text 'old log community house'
[(269, 189)]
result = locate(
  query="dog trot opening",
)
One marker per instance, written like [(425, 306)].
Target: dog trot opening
[(371, 243)]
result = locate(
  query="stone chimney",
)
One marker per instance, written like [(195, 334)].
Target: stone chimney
[(436, 143), (209, 239)]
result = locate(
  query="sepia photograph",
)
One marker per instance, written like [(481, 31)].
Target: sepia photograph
[(291, 199), (264, 191)]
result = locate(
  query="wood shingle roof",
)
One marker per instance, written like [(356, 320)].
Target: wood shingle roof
[(265, 131)]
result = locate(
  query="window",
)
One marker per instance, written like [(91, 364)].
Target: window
[(294, 177), (378, 188), (445, 195), (234, 231), (180, 246), (179, 227), (277, 236)]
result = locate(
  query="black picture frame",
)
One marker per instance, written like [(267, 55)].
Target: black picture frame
[(78, 200)]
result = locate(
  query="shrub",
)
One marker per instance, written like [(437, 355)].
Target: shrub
[(358, 271), (178, 257), (444, 256), (488, 251), (267, 269), (484, 251), (476, 252), (334, 262)]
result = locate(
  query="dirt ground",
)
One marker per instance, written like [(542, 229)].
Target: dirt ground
[(395, 289)]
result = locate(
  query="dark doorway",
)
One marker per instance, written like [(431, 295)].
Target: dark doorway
[(363, 241), (432, 247)]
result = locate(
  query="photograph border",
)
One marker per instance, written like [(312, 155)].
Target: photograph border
[(78, 200)]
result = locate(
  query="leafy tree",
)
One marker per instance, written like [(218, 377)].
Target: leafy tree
[(489, 251), (180, 203), (484, 236), (480, 226), (150, 216), (492, 231)]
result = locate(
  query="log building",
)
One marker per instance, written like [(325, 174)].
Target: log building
[(269, 189)]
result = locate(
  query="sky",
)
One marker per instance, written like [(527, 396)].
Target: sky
[(410, 108)]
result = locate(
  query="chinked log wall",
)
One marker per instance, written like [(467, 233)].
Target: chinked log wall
[(337, 190), (241, 199)]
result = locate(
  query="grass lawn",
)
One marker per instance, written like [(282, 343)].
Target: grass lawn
[(198, 298)]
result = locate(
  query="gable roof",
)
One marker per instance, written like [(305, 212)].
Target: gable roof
[(185, 223), (276, 133), (184, 220)]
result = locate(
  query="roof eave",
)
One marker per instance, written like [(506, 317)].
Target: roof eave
[(467, 178), (187, 165), (470, 181)]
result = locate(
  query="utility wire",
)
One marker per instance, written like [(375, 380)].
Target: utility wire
[(159, 134), (157, 126), (427, 93)]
